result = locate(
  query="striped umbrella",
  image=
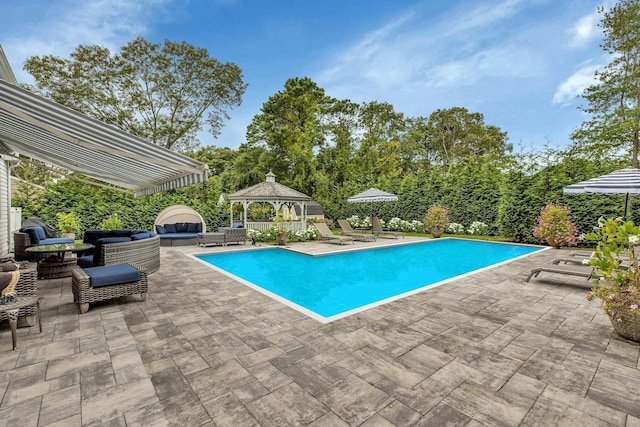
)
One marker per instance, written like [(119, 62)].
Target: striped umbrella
[(624, 181), (373, 195)]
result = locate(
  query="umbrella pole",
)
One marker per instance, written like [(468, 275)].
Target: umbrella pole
[(626, 203)]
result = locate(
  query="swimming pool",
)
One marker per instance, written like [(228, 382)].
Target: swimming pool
[(331, 286)]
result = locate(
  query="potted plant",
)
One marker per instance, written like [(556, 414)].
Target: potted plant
[(112, 222), (615, 263), (555, 226), (68, 224), (436, 220), (282, 232)]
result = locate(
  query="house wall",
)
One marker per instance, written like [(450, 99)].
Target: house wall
[(5, 207)]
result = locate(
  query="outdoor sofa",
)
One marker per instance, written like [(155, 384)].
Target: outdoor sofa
[(140, 247), (33, 236), (179, 225)]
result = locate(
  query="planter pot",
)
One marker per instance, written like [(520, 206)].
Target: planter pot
[(628, 328), (436, 232), (69, 235), (282, 238)]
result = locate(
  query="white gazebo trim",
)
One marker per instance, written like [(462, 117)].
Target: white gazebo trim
[(275, 194)]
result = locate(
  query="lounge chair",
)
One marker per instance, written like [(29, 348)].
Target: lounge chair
[(378, 230), (356, 235), (580, 272), (326, 234)]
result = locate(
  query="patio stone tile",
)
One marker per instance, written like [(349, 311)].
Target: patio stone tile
[(292, 357), (168, 382), (328, 419), (93, 343), (307, 379), (425, 359), (24, 413), (99, 378), (260, 356), (377, 421), (154, 350), (269, 376), (482, 405), (522, 390), (227, 410), (166, 330), (399, 414), (109, 403), (185, 410), (617, 386), (85, 361), (190, 362), (548, 412), (52, 351), (455, 373), (26, 388), (333, 373), (59, 405), (584, 405), (72, 421), (288, 405), (572, 380), (151, 415), (285, 341), (400, 335), (125, 358), (392, 368), (218, 380), (444, 415), (250, 392), (354, 400)]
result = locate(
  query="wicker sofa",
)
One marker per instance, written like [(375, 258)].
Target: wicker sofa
[(122, 246), (32, 236)]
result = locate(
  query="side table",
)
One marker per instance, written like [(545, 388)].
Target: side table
[(12, 313), (211, 238)]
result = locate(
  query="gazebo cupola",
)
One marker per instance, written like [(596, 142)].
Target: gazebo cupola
[(275, 194)]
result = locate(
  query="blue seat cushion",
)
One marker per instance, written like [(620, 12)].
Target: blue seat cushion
[(160, 229), (192, 227), (181, 227), (112, 275), (171, 228), (33, 235), (238, 225), (140, 236), (179, 236), (40, 232), (55, 240), (86, 261)]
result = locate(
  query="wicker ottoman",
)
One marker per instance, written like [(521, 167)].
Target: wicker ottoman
[(205, 239)]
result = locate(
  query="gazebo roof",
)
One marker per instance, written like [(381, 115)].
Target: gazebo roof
[(268, 190)]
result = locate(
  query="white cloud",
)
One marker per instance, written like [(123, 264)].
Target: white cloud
[(108, 23), (585, 30), (575, 84)]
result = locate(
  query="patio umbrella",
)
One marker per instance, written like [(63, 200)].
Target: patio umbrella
[(624, 181), (373, 195)]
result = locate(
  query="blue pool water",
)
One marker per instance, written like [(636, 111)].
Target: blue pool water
[(333, 285)]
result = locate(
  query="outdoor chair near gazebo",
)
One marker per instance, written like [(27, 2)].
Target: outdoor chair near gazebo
[(327, 235), (379, 231), (356, 235)]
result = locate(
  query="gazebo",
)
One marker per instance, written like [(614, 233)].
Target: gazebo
[(275, 194)]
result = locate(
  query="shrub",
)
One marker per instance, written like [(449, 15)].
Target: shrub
[(437, 217), (455, 228), (113, 222), (555, 226), (478, 228)]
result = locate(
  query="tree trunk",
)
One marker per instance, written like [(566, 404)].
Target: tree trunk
[(634, 160)]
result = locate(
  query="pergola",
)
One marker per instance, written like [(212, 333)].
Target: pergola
[(275, 194)]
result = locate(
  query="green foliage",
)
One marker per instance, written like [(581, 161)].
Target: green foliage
[(164, 94), (613, 100), (437, 217), (112, 222), (555, 226), (615, 261), (68, 222)]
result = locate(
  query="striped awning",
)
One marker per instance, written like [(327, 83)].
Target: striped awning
[(52, 133), (373, 195), (623, 181)]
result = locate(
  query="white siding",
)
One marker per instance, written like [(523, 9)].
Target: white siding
[(5, 200)]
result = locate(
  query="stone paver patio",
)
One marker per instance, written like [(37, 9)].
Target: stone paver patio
[(203, 350)]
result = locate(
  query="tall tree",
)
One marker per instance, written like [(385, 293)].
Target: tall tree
[(455, 135), (292, 126), (164, 94), (614, 100)]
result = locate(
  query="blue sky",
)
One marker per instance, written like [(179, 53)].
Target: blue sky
[(522, 64)]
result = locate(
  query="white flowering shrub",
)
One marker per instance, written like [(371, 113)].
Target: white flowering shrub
[(478, 228), (397, 224), (269, 234), (356, 222), (455, 228)]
